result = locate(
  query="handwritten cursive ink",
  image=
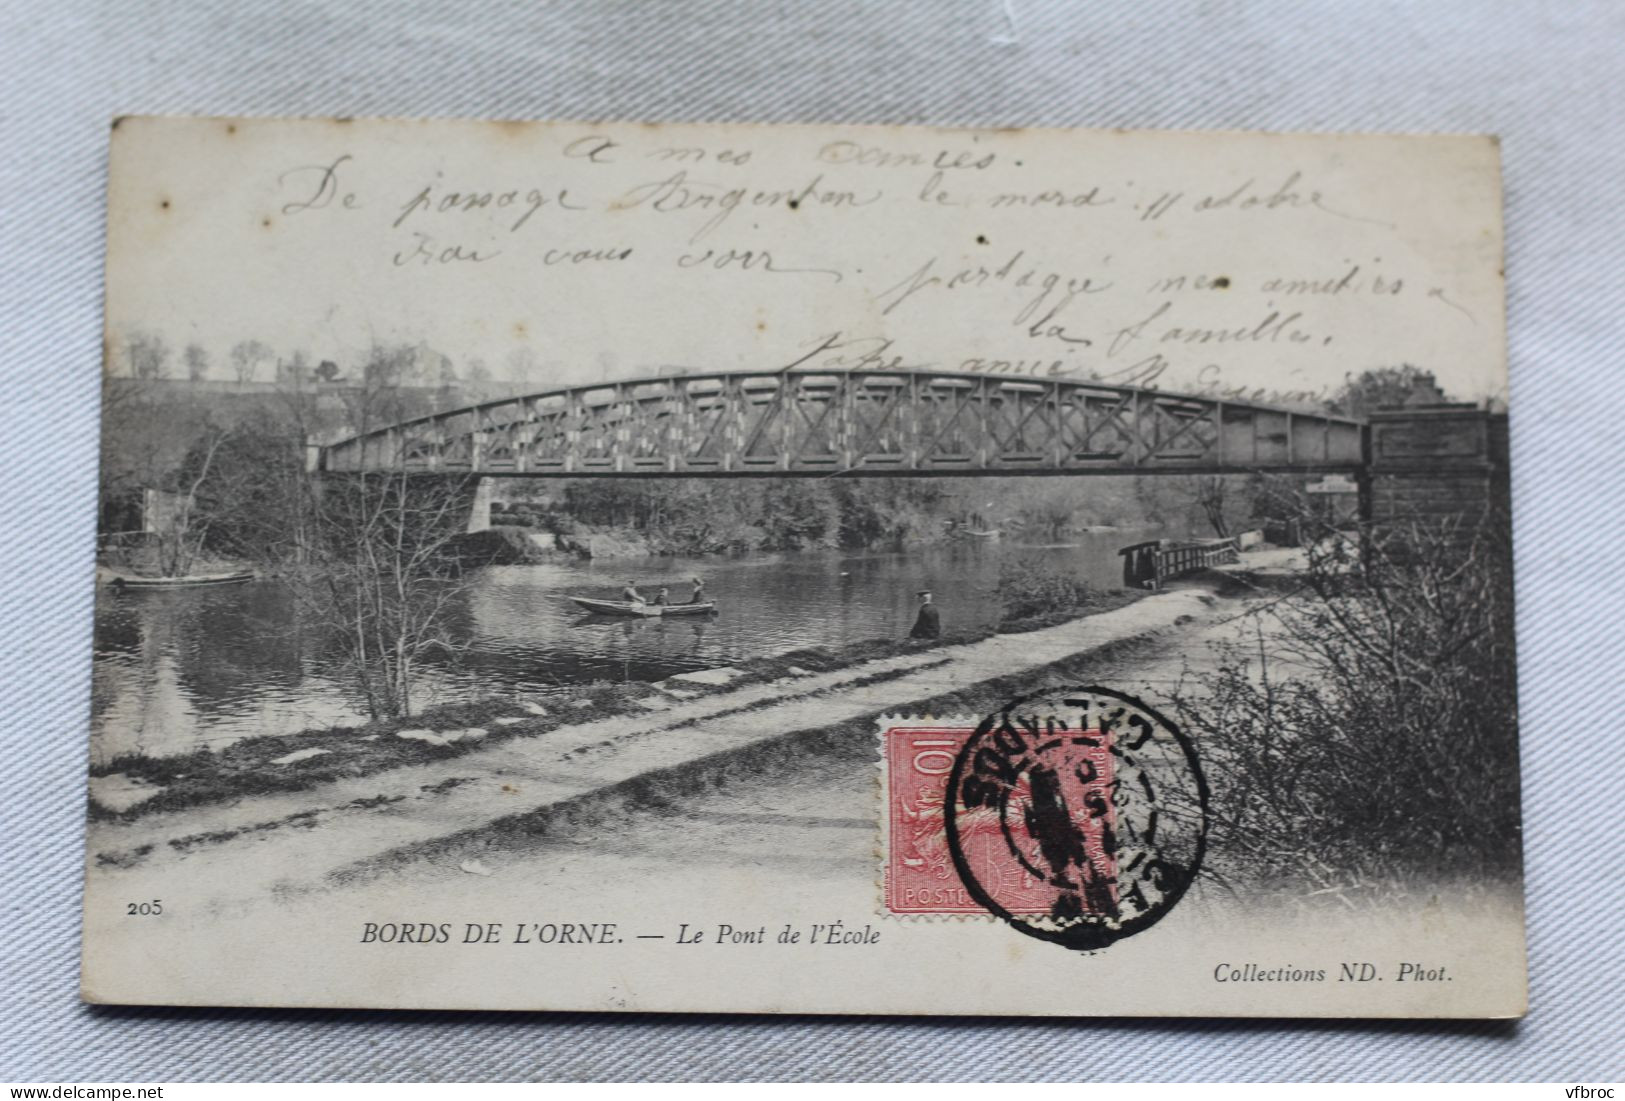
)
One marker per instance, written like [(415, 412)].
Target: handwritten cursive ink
[(746, 260), (327, 188)]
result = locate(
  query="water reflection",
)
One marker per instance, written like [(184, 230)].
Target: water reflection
[(179, 670)]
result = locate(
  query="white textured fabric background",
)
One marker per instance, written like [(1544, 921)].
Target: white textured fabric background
[(1548, 77)]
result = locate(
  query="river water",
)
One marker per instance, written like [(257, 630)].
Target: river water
[(184, 670)]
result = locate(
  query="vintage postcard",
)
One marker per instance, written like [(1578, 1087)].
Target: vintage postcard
[(817, 569)]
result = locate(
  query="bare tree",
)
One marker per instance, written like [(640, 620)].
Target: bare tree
[(256, 499), (126, 451), (184, 527), (295, 370), (1210, 496), (148, 354), (246, 357), (377, 563), (385, 579), (1366, 736), (146, 435), (1179, 499)]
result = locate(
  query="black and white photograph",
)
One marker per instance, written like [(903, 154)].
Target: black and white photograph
[(810, 569)]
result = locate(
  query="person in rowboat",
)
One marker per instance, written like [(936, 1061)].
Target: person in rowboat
[(664, 596), (631, 594), (698, 595)]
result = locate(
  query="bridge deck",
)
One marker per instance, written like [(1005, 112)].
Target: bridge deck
[(853, 423)]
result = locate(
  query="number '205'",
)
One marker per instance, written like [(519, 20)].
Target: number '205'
[(144, 909)]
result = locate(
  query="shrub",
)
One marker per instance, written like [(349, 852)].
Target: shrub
[(1367, 736), (497, 546), (1025, 591)]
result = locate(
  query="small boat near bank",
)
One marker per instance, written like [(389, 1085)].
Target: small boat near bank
[(637, 608), (121, 581)]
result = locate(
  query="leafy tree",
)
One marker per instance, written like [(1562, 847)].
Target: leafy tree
[(422, 365), (478, 380), (523, 366), (798, 515), (1383, 386), (887, 512)]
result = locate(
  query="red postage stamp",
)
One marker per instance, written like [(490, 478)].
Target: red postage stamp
[(1002, 851)]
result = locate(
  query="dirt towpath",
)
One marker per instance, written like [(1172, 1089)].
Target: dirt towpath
[(304, 840)]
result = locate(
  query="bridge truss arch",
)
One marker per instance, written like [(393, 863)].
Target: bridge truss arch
[(855, 422)]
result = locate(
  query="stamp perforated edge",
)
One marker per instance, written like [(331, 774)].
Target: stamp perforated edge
[(882, 847)]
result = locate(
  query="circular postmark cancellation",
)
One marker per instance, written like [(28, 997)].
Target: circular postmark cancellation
[(1091, 799)]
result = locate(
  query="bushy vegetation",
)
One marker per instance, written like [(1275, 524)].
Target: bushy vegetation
[(1367, 737), (696, 517), (1026, 591), (499, 546)]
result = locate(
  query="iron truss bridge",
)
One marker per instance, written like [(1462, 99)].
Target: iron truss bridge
[(859, 422)]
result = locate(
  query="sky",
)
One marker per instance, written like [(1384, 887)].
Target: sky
[(1261, 266)]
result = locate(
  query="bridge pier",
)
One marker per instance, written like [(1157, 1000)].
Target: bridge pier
[(479, 507), (1438, 464)]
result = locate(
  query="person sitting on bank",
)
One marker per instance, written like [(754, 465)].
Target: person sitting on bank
[(663, 597), (631, 594), (928, 624), (698, 595)]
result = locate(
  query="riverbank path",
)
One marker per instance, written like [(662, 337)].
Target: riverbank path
[(315, 838)]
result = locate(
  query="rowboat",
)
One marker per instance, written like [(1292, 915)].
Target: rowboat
[(190, 581), (633, 608)]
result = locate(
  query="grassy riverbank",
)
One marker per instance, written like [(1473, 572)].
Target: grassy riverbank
[(290, 763), (821, 752)]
